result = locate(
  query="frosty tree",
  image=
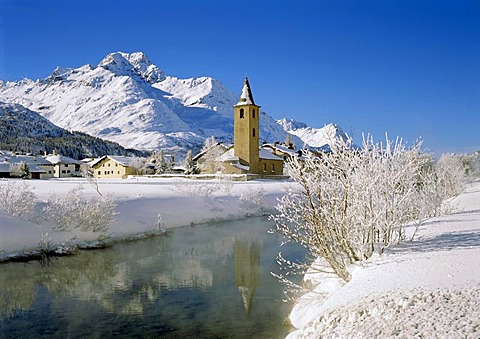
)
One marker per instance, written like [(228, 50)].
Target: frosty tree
[(354, 202), (212, 150), (188, 164), (17, 199), (75, 212)]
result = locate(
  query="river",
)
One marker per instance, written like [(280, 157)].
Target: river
[(204, 281)]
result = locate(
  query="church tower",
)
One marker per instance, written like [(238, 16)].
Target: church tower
[(246, 129)]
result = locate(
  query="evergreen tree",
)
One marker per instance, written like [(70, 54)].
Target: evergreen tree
[(188, 163)]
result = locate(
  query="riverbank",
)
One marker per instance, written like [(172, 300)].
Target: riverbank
[(426, 287), (144, 206)]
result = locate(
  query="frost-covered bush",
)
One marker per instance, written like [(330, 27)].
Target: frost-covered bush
[(253, 201), (353, 202), (204, 189), (17, 199), (450, 171), (75, 212)]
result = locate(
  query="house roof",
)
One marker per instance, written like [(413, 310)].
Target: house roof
[(228, 156), (267, 155), (61, 159), (122, 160)]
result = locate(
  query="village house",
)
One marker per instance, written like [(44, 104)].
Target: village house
[(11, 163), (119, 167), (63, 166)]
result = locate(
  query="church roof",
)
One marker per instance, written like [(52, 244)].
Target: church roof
[(246, 98)]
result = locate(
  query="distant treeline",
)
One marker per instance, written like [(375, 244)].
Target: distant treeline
[(25, 131)]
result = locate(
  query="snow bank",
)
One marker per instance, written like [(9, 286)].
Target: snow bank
[(140, 202), (430, 285)]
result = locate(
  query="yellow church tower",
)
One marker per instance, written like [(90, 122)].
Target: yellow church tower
[(246, 130)]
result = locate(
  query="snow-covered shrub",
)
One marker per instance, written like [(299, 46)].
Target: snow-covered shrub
[(224, 183), (75, 212), (252, 202), (17, 199), (351, 202), (450, 173)]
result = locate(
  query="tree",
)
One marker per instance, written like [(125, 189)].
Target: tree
[(139, 165), (354, 202), (17, 199), (160, 162), (188, 164), (19, 170), (211, 151)]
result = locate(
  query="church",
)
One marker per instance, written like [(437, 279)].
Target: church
[(246, 156)]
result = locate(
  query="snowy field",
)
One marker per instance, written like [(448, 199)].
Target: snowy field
[(141, 203), (428, 287)]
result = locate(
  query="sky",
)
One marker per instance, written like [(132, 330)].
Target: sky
[(409, 68)]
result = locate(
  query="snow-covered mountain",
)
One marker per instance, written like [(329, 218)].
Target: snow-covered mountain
[(313, 137), (25, 130), (129, 100)]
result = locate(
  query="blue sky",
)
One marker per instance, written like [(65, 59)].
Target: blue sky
[(410, 68)]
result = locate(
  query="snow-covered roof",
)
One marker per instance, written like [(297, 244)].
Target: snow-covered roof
[(5, 167), (12, 158), (61, 159), (281, 148), (267, 155), (122, 160), (228, 156), (246, 98)]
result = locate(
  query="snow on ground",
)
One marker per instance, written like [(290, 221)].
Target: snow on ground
[(140, 201), (428, 287)]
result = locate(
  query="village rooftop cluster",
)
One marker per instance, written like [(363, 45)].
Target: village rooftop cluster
[(245, 157)]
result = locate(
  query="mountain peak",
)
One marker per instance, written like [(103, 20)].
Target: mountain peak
[(122, 63)]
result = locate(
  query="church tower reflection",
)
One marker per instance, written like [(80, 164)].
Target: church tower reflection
[(247, 269)]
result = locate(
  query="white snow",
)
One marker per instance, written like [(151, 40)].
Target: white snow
[(129, 100), (139, 202), (426, 287)]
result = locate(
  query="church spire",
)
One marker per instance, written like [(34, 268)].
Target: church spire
[(246, 98)]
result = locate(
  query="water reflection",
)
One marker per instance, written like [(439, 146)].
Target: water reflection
[(184, 284), (247, 269)]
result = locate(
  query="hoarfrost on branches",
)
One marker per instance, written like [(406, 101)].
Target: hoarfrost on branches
[(77, 212), (17, 199), (354, 202), (252, 201)]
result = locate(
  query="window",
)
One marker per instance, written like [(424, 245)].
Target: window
[(253, 132), (264, 167), (118, 172), (66, 165), (242, 113), (273, 167), (99, 172), (63, 171), (253, 113), (68, 171), (108, 164)]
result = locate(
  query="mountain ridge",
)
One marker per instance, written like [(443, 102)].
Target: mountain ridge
[(129, 100)]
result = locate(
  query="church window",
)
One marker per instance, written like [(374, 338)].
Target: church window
[(264, 167), (253, 132), (273, 167), (253, 114), (242, 113)]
